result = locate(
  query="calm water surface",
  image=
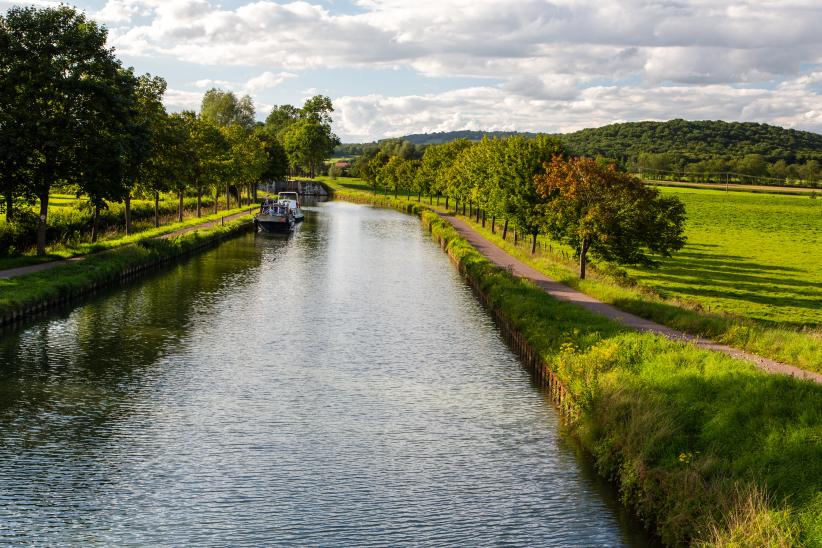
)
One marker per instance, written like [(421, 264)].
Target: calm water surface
[(340, 386)]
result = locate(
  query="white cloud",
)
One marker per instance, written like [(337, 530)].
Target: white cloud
[(374, 116), (176, 100), (562, 64)]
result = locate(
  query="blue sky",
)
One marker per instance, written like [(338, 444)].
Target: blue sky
[(394, 67)]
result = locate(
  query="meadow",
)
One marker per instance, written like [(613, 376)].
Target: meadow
[(757, 256)]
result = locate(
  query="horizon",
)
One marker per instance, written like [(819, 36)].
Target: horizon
[(552, 67)]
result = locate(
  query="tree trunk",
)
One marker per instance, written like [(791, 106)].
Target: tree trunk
[(430, 199), (505, 229), (9, 206), (180, 207), (583, 259), (128, 213), (438, 200), (463, 207), (446, 201), (493, 224), (41, 224), (199, 202), (216, 198), (483, 219), (419, 196), (156, 209), (227, 197), (95, 223), (516, 237), (533, 243), (470, 209)]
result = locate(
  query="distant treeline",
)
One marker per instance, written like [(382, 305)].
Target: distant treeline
[(710, 151)]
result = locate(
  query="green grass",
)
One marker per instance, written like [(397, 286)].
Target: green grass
[(703, 447), (69, 280), (757, 256), (58, 252)]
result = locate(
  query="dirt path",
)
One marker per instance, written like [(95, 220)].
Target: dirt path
[(565, 293), (23, 270)]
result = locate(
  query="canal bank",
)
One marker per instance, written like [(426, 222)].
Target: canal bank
[(339, 386), (26, 295), (693, 439)]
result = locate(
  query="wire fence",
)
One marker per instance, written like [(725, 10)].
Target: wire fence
[(724, 178)]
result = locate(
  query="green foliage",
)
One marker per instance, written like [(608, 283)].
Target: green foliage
[(62, 98), (691, 141), (305, 134), (21, 292), (223, 108), (595, 208)]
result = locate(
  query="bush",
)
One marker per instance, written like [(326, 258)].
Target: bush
[(19, 234)]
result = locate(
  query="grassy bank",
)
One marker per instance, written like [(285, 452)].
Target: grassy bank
[(57, 252), (705, 448), (24, 295), (70, 223)]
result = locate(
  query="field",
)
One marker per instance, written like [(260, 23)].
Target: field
[(753, 255)]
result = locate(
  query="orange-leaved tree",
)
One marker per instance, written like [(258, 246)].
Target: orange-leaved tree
[(612, 215)]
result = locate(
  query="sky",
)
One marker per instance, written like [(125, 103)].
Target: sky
[(395, 67)]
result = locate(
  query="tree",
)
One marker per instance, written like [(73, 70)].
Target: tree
[(307, 143), (61, 78), (247, 160), (105, 150), (168, 160), (280, 119), (276, 166), (209, 149), (182, 156), (148, 113), (520, 162), (224, 109), (612, 215)]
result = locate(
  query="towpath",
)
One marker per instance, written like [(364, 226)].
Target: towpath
[(30, 269), (565, 293)]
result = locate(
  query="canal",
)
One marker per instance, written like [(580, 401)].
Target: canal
[(338, 386)]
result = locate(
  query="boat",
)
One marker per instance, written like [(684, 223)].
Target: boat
[(292, 200), (275, 216)]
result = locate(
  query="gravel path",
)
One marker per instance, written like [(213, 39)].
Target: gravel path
[(23, 270), (565, 293)]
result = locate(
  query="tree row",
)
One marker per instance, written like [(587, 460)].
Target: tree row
[(72, 117), (534, 186)]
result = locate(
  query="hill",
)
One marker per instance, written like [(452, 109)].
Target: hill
[(696, 140), (690, 141)]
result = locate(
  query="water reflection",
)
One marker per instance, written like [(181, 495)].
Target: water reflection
[(336, 386)]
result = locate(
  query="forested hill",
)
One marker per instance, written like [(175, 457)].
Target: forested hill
[(689, 141), (696, 140)]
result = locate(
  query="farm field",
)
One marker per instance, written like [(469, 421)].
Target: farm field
[(752, 255)]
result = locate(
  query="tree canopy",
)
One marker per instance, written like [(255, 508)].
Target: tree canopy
[(613, 215)]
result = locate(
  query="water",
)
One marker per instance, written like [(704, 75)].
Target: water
[(340, 386)]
